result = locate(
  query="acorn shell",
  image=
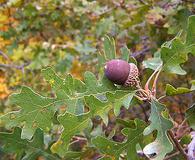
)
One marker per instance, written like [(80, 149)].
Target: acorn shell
[(117, 71)]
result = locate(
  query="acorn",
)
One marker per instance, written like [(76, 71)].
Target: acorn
[(122, 73)]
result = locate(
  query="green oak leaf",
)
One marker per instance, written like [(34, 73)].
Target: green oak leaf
[(114, 100), (109, 48), (190, 116), (172, 91), (72, 125), (173, 54), (36, 112), (158, 149), (112, 150), (153, 63), (191, 32), (126, 55), (24, 149), (72, 91), (193, 84)]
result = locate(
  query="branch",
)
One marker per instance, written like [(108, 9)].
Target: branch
[(142, 52), (171, 155), (177, 144), (20, 67), (4, 55)]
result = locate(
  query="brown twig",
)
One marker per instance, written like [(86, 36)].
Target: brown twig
[(4, 55), (172, 155), (177, 144), (14, 66), (142, 52)]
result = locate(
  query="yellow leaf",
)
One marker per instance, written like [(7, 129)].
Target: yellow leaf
[(4, 92)]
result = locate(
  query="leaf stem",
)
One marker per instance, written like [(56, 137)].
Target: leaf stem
[(161, 97), (150, 78), (155, 82)]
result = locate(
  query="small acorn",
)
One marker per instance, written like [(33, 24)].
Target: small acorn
[(122, 73)]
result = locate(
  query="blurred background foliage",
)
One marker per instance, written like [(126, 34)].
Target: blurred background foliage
[(67, 34)]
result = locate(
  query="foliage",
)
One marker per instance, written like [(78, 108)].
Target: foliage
[(73, 110), (160, 122), (113, 149)]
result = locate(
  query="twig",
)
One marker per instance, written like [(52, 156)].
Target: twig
[(143, 2), (142, 52), (177, 144), (4, 55), (172, 155), (20, 67), (14, 66), (161, 97)]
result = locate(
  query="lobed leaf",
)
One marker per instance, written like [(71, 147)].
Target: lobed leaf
[(109, 48), (72, 124), (76, 123), (191, 31), (158, 149), (173, 55), (112, 149), (24, 149), (36, 112), (99, 96), (172, 91), (190, 116), (175, 52)]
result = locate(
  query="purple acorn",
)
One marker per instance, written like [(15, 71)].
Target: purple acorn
[(122, 73)]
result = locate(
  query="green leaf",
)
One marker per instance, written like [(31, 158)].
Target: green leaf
[(76, 123), (36, 112), (73, 92), (112, 150), (109, 48), (174, 53), (162, 145), (193, 84), (153, 63), (190, 116), (125, 53), (190, 30), (101, 60), (72, 124), (172, 91), (114, 100), (12, 143)]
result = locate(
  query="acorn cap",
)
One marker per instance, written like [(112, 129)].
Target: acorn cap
[(117, 71), (132, 79)]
